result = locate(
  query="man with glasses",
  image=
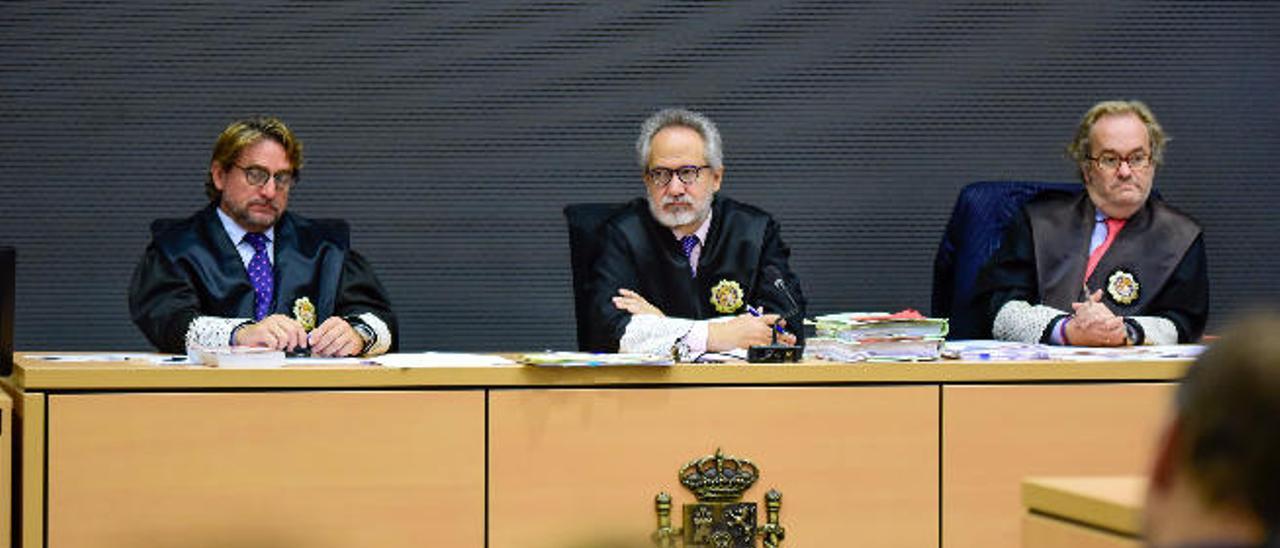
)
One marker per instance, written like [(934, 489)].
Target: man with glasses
[(1114, 266), (244, 271), (683, 256)]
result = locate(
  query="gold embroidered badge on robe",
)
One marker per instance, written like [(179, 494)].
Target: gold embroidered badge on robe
[(305, 313), (1122, 287), (726, 295)]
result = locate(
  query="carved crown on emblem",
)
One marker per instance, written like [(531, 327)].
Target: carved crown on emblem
[(717, 478)]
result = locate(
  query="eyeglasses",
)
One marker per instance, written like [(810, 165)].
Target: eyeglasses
[(1111, 161), (257, 176), (661, 176)]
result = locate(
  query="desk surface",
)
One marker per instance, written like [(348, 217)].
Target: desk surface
[(1107, 502), (31, 373)]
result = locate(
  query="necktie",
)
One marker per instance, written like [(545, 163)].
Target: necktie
[(260, 275), (1113, 228), (687, 244)]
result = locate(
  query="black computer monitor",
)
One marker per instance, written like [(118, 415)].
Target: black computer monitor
[(7, 258)]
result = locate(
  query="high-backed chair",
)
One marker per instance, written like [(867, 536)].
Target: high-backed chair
[(978, 220), (8, 258), (585, 221)]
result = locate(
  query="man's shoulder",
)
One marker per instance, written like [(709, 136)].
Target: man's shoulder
[(334, 231), (175, 235), (168, 228), (741, 220), (1171, 214), (629, 215), (730, 208)]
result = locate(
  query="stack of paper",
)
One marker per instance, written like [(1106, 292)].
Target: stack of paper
[(857, 336), (441, 359), (237, 357), (587, 359), (983, 350)]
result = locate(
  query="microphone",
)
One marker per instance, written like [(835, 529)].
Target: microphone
[(779, 284), (777, 353)]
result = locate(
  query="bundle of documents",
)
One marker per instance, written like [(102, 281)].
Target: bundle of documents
[(858, 336), (237, 357), (588, 359), (1016, 351), (983, 350)]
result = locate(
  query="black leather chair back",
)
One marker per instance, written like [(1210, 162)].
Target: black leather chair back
[(585, 222), (8, 262)]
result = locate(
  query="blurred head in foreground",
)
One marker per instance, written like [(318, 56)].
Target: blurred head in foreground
[(1216, 476)]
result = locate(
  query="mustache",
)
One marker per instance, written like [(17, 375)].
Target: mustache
[(677, 200), (261, 203)]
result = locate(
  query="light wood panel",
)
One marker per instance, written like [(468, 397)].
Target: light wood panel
[(317, 469), (1108, 502), (857, 466), (6, 465), (994, 436), (1046, 532), (28, 488)]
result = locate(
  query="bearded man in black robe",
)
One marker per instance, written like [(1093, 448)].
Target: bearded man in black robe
[(684, 271)]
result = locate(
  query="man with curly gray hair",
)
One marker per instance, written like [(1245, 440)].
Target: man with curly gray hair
[(684, 271)]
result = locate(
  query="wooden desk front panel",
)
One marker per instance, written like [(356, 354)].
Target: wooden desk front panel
[(857, 466), (995, 436), (6, 465), (1046, 532), (318, 469)]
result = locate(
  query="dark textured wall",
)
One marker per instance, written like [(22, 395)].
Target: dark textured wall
[(451, 133)]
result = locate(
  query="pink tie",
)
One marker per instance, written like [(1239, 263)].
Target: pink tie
[(1113, 228)]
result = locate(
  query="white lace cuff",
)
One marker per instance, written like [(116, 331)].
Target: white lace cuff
[(212, 331), (652, 334), (1157, 330), (1020, 321), (381, 334)]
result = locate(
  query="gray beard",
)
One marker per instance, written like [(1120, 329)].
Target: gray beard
[(698, 213)]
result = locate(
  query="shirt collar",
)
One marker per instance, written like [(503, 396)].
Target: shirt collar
[(702, 230), (236, 232)]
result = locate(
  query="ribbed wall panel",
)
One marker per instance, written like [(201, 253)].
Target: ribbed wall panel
[(451, 134)]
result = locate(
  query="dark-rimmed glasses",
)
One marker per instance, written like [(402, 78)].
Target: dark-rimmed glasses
[(257, 176), (1111, 161), (661, 176)]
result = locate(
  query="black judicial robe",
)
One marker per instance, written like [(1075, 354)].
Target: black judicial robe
[(640, 254), (192, 269), (1044, 252)]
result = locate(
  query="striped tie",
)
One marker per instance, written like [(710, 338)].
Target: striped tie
[(687, 244)]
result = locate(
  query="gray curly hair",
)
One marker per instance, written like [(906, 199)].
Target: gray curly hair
[(668, 117)]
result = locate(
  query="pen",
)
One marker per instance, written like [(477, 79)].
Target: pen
[(757, 313)]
